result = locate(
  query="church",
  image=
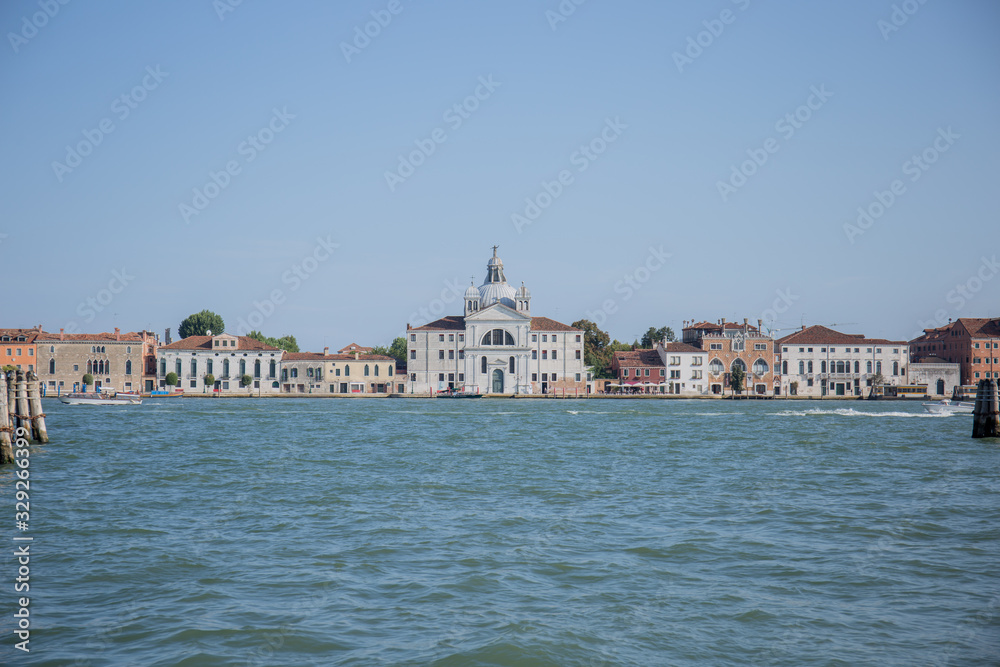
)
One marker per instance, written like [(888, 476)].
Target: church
[(496, 346)]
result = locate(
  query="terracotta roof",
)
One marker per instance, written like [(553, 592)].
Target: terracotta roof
[(682, 347), (29, 334), (205, 343), (820, 335), (640, 358), (354, 347), (131, 336), (450, 323), (545, 324), (981, 326), (319, 356), (715, 326)]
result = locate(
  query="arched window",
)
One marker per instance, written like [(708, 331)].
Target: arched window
[(511, 365), (93, 350), (273, 370), (366, 370), (484, 364), (822, 367), (738, 363), (857, 367), (52, 366), (802, 368), (208, 367), (177, 369), (391, 369), (128, 367), (100, 367), (784, 368), (376, 370), (90, 368), (497, 337), (163, 366), (760, 367), (225, 368), (243, 367), (716, 367), (895, 368), (256, 368), (128, 349), (102, 350), (840, 367), (52, 348), (878, 366), (347, 369), (869, 367)]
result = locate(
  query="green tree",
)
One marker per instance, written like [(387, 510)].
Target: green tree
[(171, 379), (736, 378), (88, 380), (286, 343), (654, 336), (595, 344), (397, 350), (199, 324), (245, 381), (209, 380)]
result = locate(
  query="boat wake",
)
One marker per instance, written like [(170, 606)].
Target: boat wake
[(851, 412)]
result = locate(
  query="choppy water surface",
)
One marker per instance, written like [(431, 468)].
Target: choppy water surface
[(501, 532)]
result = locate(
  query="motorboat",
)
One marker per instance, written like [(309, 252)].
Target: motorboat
[(95, 398), (946, 407), (463, 392)]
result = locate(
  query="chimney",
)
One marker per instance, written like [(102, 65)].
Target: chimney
[(166, 336), (760, 324), (326, 351), (62, 334), (355, 356), (38, 328), (723, 323), (118, 333)]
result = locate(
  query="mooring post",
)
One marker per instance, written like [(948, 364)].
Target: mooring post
[(23, 411), (6, 450), (986, 414), (11, 397), (38, 429)]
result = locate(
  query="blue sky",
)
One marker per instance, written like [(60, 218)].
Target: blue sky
[(645, 109)]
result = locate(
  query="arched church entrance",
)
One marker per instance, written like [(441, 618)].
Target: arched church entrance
[(497, 381)]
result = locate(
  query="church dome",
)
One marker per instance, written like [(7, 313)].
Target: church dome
[(472, 293), (495, 288)]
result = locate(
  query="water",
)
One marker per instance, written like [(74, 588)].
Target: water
[(500, 532)]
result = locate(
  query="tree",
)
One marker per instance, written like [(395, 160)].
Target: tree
[(397, 350), (199, 324), (736, 378), (171, 379), (877, 380), (654, 336), (595, 352), (209, 380), (88, 380), (245, 381), (286, 343)]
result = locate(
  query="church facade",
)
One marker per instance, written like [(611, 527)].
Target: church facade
[(496, 346)]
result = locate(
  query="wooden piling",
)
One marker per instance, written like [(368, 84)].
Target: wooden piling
[(986, 414), (23, 409), (6, 449), (38, 430), (11, 398)]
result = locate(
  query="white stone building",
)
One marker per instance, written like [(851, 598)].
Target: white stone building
[(818, 361), (228, 358), (496, 346)]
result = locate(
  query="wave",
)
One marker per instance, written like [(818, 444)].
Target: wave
[(851, 412)]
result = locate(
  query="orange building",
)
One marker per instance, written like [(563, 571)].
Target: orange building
[(729, 345), (17, 348), (971, 342)]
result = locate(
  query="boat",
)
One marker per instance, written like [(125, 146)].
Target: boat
[(80, 398), (459, 393), (946, 407)]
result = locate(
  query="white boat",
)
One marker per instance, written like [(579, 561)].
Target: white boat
[(947, 407), (100, 399)]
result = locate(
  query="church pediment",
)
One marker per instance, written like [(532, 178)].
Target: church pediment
[(498, 312)]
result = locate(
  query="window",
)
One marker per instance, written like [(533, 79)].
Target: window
[(553, 338), (451, 338), (878, 366), (761, 346), (784, 349), (555, 353), (440, 354), (624, 372), (52, 366), (440, 377), (715, 346), (675, 375), (413, 354), (857, 350), (367, 370), (309, 372), (295, 372), (441, 337), (194, 367), (534, 354), (578, 354), (810, 349), (347, 369), (822, 367), (376, 370), (833, 349), (534, 377), (760, 367), (461, 337), (497, 337), (413, 377), (194, 384), (18, 351), (451, 377), (784, 368), (413, 338), (716, 367), (857, 367), (663, 372), (484, 364), (451, 354), (869, 367), (577, 375), (461, 354), (31, 352), (840, 367), (696, 361), (675, 361), (545, 354), (695, 375), (534, 339), (578, 340), (511, 365), (895, 368), (545, 338), (272, 371), (461, 377), (646, 373), (128, 366), (76, 368), (336, 372)]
